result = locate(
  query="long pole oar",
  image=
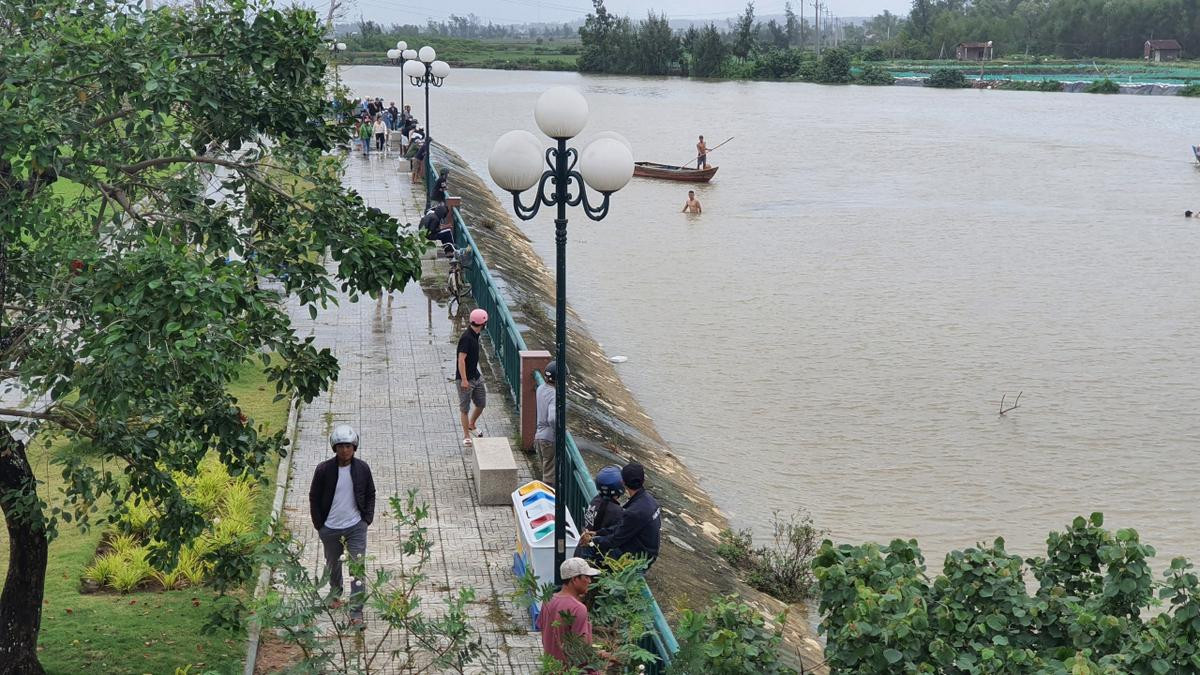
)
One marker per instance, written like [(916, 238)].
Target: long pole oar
[(709, 150)]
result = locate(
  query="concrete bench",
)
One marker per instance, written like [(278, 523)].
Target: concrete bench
[(495, 471)]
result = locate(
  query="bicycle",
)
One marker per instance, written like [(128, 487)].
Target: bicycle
[(456, 282)]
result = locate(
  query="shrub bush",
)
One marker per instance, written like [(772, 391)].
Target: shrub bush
[(834, 67), (735, 546), (1105, 86), (874, 75), (1091, 612), (728, 638), (947, 78), (1190, 90), (126, 559), (873, 54), (783, 569), (778, 64)]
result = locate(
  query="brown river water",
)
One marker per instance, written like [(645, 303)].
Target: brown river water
[(873, 270)]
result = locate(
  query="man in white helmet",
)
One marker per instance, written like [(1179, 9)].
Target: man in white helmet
[(342, 502)]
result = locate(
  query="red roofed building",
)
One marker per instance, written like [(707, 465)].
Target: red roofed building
[(1162, 50)]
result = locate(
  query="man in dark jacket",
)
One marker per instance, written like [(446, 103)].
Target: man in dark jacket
[(639, 529), (342, 504)]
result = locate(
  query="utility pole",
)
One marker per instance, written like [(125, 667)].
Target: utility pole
[(802, 25), (817, 24)]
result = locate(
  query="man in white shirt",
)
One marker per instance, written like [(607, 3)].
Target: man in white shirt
[(341, 500)]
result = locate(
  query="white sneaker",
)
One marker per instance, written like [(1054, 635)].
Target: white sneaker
[(467, 441)]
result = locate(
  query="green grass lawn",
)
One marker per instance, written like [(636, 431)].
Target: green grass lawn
[(143, 632), (503, 54)]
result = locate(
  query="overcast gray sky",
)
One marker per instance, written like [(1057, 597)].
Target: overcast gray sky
[(522, 11)]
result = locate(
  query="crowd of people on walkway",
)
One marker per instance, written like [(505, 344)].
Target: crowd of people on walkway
[(374, 124)]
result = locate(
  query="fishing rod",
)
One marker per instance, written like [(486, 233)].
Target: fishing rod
[(709, 150)]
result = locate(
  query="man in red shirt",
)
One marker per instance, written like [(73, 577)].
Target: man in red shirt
[(564, 619)]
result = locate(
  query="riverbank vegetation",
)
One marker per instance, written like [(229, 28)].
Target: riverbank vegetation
[(1097, 608), (782, 569)]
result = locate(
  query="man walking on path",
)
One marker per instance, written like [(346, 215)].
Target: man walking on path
[(342, 504), (543, 438), (641, 521), (467, 375), (564, 619)]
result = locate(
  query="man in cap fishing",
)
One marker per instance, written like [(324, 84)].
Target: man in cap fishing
[(640, 527)]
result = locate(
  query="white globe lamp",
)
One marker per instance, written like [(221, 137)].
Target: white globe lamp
[(402, 45), (409, 54), (414, 69), (561, 113), (516, 161), (393, 54), (439, 69), (427, 54), (606, 165)]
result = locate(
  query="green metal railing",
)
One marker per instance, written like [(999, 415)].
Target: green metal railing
[(508, 344)]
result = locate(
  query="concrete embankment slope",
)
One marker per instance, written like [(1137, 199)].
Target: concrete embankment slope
[(609, 425)]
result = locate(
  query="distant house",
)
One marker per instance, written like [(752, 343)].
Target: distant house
[(1162, 50), (973, 51)]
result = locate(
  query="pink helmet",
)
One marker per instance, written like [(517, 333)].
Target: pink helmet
[(479, 317)]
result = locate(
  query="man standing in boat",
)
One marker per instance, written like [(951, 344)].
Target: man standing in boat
[(701, 154), (692, 205)]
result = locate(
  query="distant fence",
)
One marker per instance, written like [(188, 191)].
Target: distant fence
[(508, 344)]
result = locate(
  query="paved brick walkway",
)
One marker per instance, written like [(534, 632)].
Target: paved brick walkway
[(396, 388)]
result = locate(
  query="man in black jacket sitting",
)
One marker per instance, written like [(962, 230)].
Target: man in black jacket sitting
[(342, 503), (640, 527)]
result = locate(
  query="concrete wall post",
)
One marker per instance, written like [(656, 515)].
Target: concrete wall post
[(531, 361)]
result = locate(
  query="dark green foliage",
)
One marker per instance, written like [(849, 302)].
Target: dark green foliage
[(708, 53), (728, 638), (1190, 90), (613, 44), (834, 67), (778, 64), (658, 49), (947, 78), (881, 614), (1105, 86), (873, 54), (874, 75), (745, 33), (1030, 85)]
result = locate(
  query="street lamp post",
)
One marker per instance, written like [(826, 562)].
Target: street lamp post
[(605, 165), (401, 54), (406, 55), (336, 48), (426, 71)]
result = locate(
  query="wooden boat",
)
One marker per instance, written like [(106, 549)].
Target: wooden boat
[(669, 172)]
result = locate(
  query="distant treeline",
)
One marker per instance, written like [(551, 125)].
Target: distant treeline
[(747, 47), (370, 35)]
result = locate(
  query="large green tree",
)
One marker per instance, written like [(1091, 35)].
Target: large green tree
[(658, 48), (708, 53), (157, 168)]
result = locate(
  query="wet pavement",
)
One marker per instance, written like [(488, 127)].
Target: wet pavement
[(396, 389)]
